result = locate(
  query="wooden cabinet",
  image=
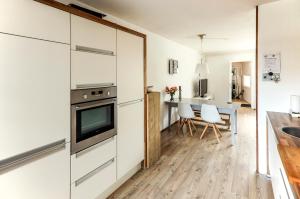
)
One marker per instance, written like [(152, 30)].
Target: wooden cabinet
[(35, 100), (92, 35), (46, 177), (130, 67), (153, 149), (32, 19), (280, 183), (92, 68), (130, 141)]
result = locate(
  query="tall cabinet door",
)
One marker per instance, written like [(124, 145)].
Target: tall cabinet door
[(35, 99), (46, 177), (130, 67), (130, 140)]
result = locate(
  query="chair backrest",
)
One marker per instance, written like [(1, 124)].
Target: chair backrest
[(185, 111), (209, 113)]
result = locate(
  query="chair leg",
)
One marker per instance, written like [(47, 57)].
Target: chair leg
[(218, 130), (216, 134), (192, 122), (182, 124), (179, 126), (204, 131), (189, 124)]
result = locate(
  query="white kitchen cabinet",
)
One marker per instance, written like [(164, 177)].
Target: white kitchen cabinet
[(96, 182), (130, 67), (92, 68), (46, 177), (35, 99), (32, 19), (90, 34), (280, 184), (130, 141), (92, 157)]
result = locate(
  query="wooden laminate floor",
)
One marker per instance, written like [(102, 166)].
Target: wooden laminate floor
[(193, 168)]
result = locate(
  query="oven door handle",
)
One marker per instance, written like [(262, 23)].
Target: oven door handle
[(102, 103)]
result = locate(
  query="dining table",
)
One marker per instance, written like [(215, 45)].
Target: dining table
[(223, 107)]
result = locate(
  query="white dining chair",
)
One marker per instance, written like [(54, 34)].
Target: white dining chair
[(210, 114), (186, 115)]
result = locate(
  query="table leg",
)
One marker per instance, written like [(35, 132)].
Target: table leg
[(235, 122), (233, 117), (169, 116)]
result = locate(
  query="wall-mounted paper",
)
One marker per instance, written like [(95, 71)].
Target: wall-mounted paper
[(272, 63)]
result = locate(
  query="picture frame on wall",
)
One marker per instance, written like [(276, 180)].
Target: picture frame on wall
[(173, 66)]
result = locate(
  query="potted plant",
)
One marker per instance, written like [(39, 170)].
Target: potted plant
[(171, 91)]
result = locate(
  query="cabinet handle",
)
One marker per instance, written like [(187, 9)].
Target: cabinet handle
[(130, 102), (94, 147), (94, 172), (94, 50), (287, 193), (85, 86), (26, 157)]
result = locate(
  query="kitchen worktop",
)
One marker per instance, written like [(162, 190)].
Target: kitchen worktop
[(279, 120), (289, 147)]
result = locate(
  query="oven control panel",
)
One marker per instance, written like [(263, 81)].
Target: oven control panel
[(91, 94)]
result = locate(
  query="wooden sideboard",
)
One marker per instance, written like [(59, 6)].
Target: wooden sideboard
[(153, 148)]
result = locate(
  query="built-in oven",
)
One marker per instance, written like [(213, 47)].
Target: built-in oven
[(94, 116)]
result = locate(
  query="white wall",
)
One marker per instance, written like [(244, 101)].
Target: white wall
[(279, 31), (159, 51), (219, 77)]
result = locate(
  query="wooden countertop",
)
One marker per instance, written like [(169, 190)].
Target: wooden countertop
[(288, 147), (279, 120)]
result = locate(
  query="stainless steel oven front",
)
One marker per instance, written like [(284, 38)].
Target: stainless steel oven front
[(94, 116)]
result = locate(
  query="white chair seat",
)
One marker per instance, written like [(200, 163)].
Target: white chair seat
[(185, 111), (210, 114), (186, 115)]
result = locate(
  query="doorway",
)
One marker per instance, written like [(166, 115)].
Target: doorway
[(243, 83)]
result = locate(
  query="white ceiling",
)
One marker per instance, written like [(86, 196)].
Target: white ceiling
[(182, 20)]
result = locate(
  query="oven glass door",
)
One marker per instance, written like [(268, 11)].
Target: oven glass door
[(93, 121)]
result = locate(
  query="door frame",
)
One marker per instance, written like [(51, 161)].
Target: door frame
[(256, 85)]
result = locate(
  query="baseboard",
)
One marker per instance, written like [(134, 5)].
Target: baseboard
[(120, 182), (168, 127)]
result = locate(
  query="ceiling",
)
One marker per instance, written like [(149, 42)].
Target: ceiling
[(182, 20)]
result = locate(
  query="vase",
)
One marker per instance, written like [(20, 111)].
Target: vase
[(172, 96)]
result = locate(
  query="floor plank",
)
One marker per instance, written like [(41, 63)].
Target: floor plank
[(202, 169)]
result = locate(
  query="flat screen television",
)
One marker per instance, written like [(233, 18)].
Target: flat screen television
[(202, 87)]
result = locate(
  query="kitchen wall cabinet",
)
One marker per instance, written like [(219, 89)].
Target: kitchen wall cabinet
[(130, 141), (35, 99), (130, 67), (92, 35), (92, 68), (32, 19), (46, 177), (280, 184)]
